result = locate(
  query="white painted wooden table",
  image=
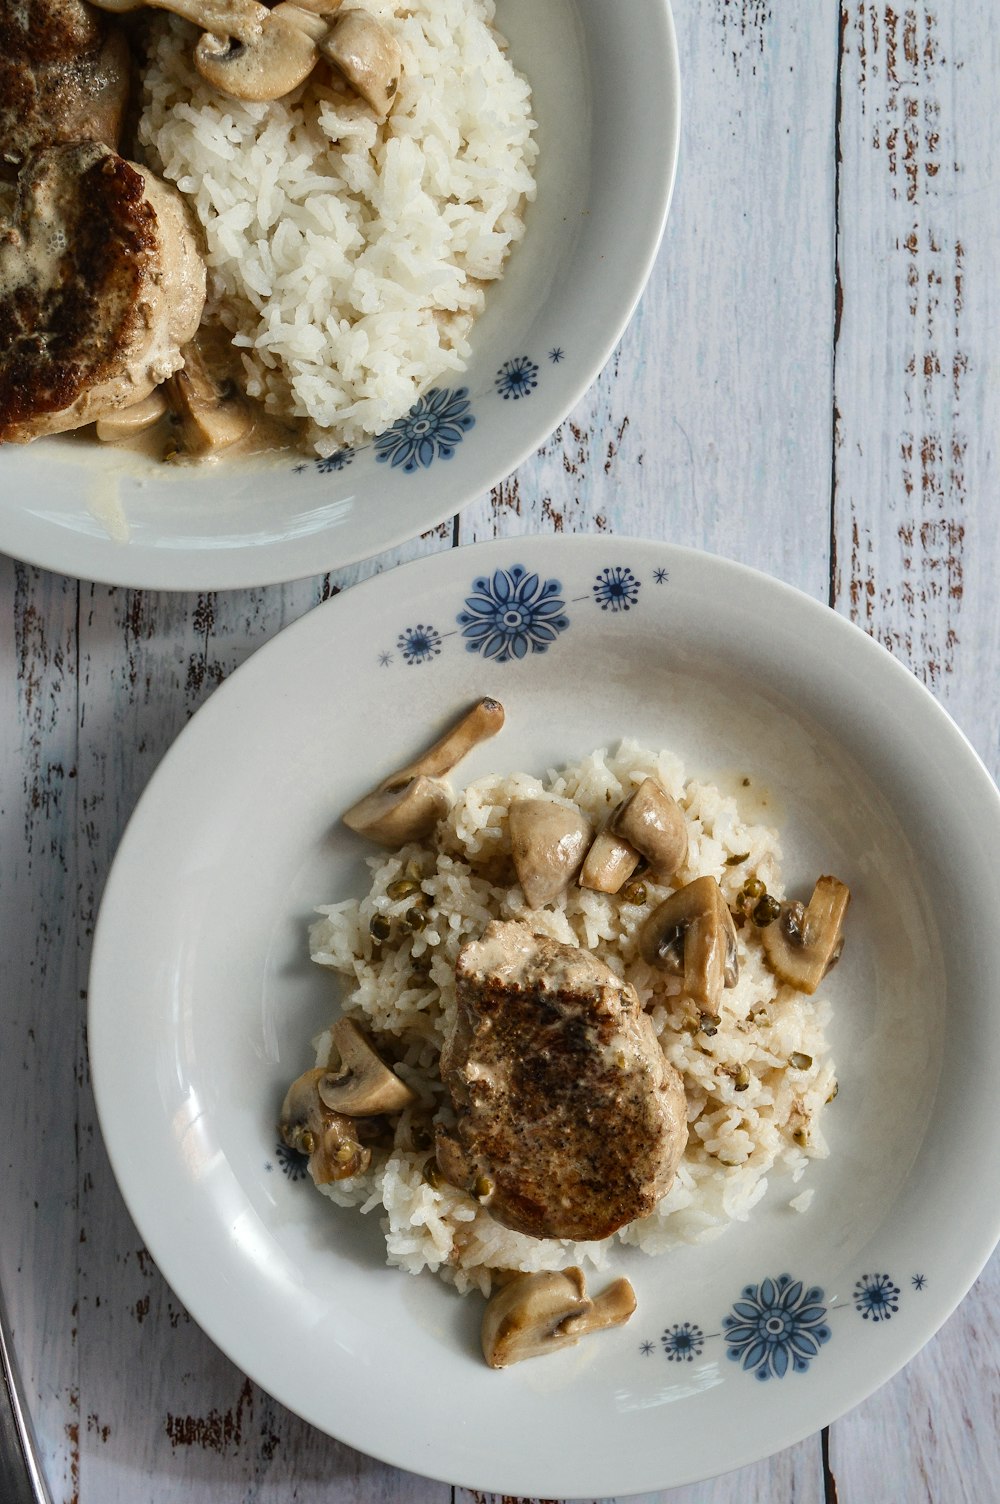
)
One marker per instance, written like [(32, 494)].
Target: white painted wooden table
[(810, 386)]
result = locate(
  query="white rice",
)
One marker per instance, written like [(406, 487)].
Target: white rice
[(405, 990), (346, 257)]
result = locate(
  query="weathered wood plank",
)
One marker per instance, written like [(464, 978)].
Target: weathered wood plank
[(711, 424), (917, 546)]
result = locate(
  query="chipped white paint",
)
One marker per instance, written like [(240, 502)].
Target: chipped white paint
[(810, 386)]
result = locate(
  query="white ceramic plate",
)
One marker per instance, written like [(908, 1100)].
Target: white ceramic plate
[(606, 97), (203, 1002)]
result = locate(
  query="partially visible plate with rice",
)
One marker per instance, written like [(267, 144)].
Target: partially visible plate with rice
[(424, 298), (813, 1240)]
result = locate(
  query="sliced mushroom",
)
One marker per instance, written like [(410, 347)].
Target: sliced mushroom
[(330, 1139), (367, 55), (803, 943), (609, 863), (266, 66), (408, 804), (364, 1086), (548, 842), (534, 1314), (653, 823), (129, 421), (692, 934), (209, 420)]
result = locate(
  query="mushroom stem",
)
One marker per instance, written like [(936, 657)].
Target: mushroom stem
[(803, 943), (243, 19), (208, 420), (477, 725), (609, 863), (534, 1314), (691, 933), (408, 804), (653, 823)]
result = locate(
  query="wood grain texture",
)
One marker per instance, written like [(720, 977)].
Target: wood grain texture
[(810, 386)]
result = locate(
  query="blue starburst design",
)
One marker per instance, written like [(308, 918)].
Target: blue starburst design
[(682, 1344), (876, 1297), (556, 355), (918, 1281), (616, 589), (646, 1348), (517, 378), (292, 1163), (513, 614), (433, 428), (384, 659), (774, 1325), (420, 643), (661, 576), (338, 460)]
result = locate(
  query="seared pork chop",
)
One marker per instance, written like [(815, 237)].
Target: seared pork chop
[(64, 76), (570, 1120), (101, 283)]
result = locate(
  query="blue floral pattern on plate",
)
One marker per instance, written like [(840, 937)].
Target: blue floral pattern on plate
[(513, 614), (432, 429), (616, 589), (779, 1326), (776, 1324), (418, 644), (683, 1343), (517, 378), (876, 1296)]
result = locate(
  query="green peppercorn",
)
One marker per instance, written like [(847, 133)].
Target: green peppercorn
[(379, 928), (483, 1187), (737, 859), (634, 893), (754, 888), (402, 887), (766, 911), (741, 1078), (798, 1061), (415, 919), (432, 1175)]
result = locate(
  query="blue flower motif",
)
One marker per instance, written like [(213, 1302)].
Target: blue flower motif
[(384, 659), (660, 576), (774, 1324), (918, 1281), (616, 589), (433, 428), (646, 1348), (556, 355), (338, 460), (418, 644), (876, 1297), (292, 1163), (682, 1344), (513, 614), (517, 378)]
